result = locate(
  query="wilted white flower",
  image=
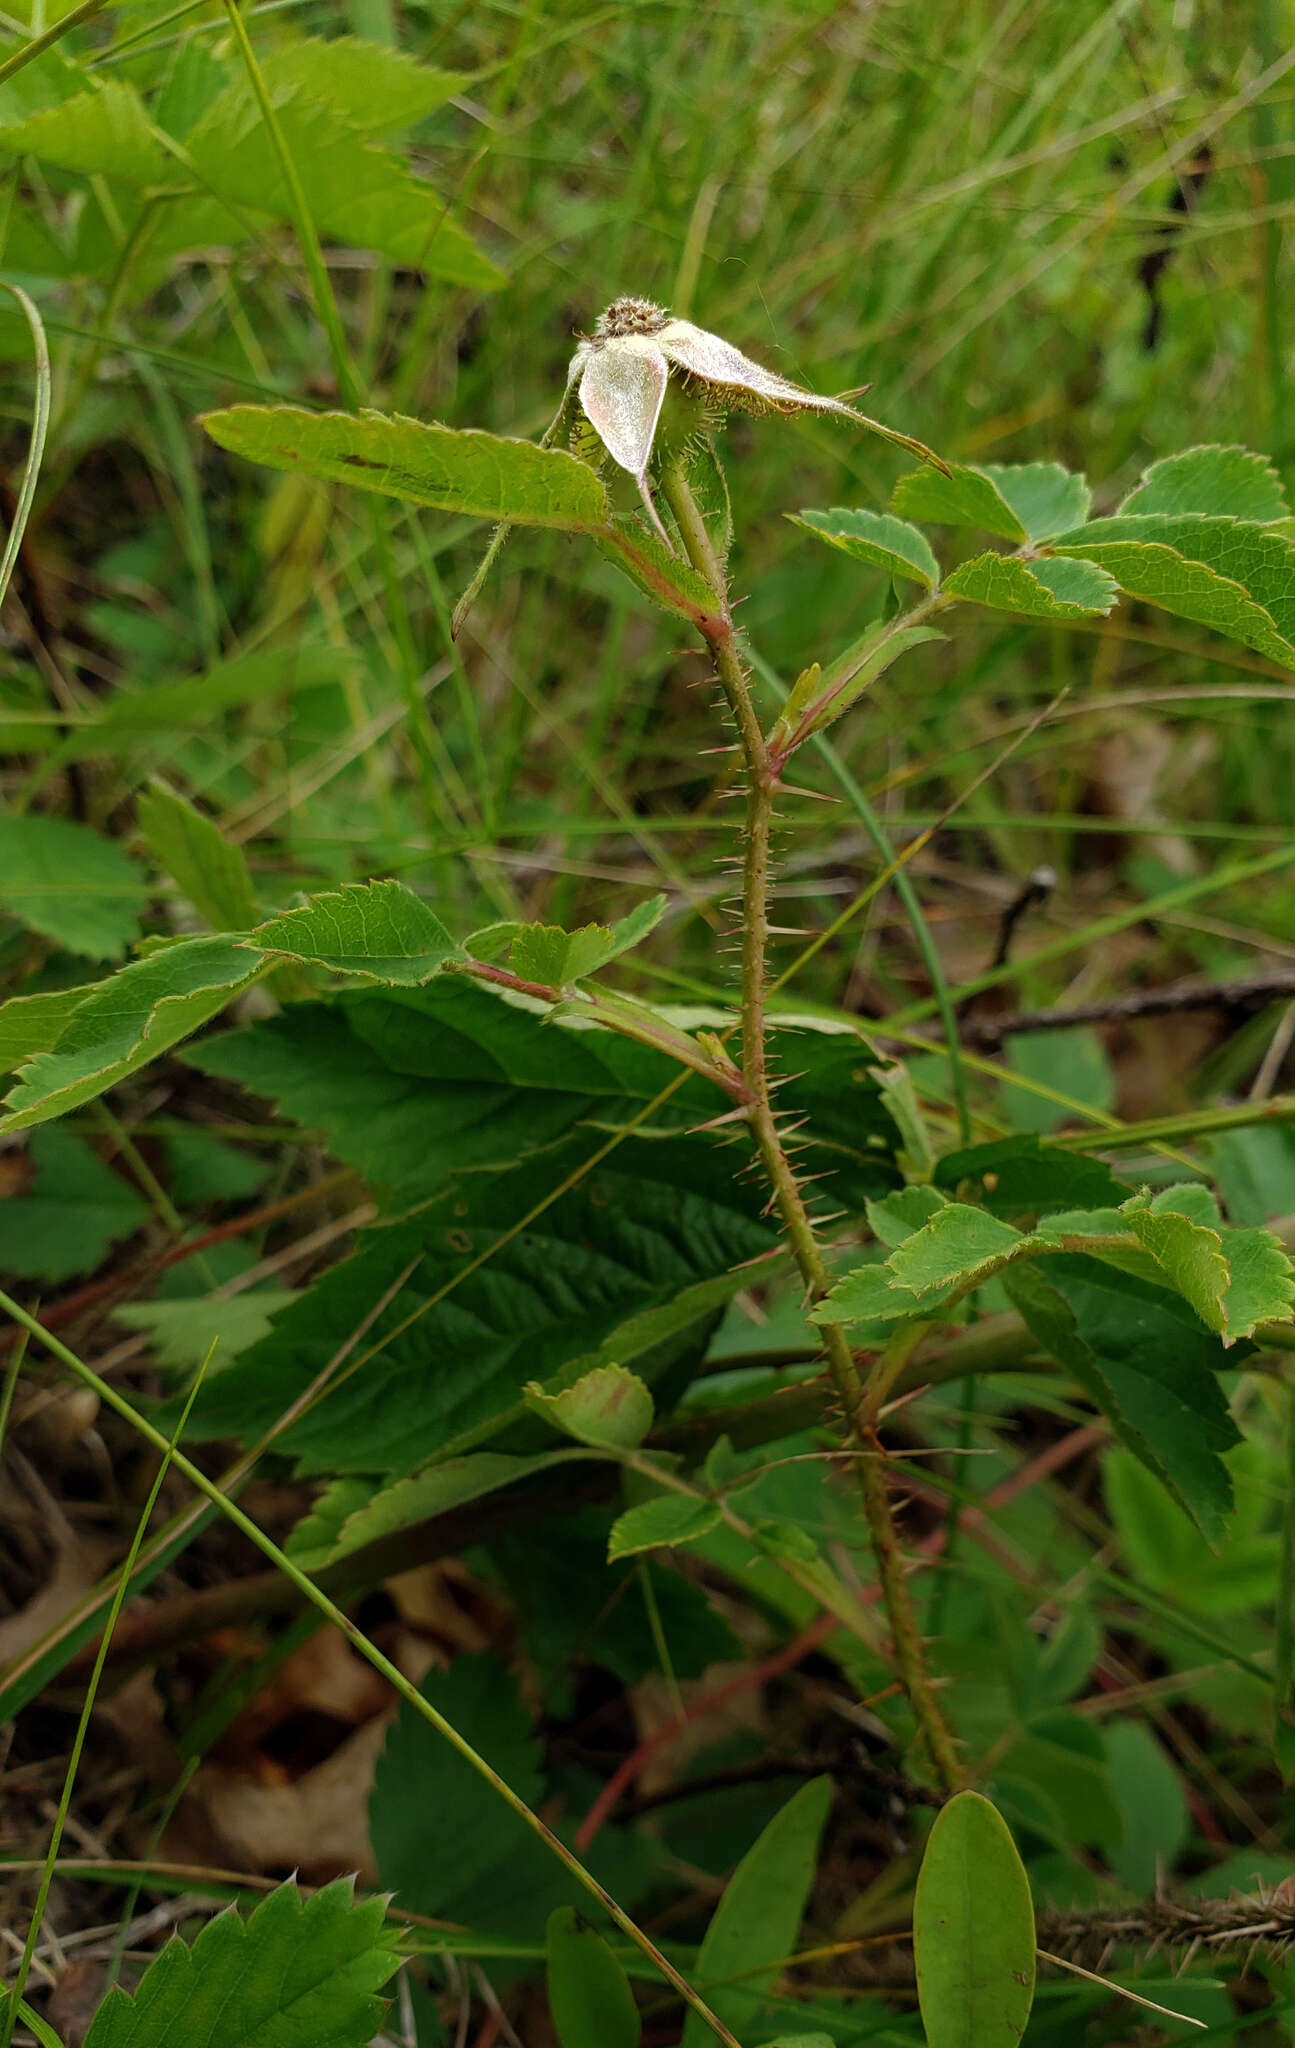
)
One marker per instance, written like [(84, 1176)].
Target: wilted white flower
[(622, 370)]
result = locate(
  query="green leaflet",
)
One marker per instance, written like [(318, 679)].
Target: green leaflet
[(1046, 588), (379, 930), (965, 497), (208, 868), (300, 1972), (973, 1930), (1018, 501), (1045, 497), (1215, 480), (351, 1514), (1231, 574), (754, 1927), (547, 954), (608, 1408), (877, 538), (456, 471), (31, 1024), (71, 885), (589, 1994), (660, 1524), (123, 1023)]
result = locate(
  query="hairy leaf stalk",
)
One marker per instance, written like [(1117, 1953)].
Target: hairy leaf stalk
[(854, 1396)]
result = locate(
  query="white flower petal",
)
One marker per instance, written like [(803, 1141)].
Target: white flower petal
[(621, 390), (716, 361)]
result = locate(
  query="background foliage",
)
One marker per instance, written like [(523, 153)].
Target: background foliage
[(1043, 236)]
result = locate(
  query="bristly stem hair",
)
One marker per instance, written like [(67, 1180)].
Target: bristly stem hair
[(859, 1398)]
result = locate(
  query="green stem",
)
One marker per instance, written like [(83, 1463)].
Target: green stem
[(395, 1677), (762, 785)]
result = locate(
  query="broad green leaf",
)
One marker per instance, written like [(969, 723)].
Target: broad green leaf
[(1046, 588), (1212, 480), (125, 1022), (379, 930), (443, 1839), (1046, 498), (468, 471), (414, 1086), (298, 1973), (590, 1999), (753, 1929), (608, 1407), (555, 958), (106, 133), (1143, 1357), (1015, 1177), (876, 537), (973, 1930), (965, 497), (958, 1247), (30, 1024), (660, 1523), (70, 884), (481, 1307), (208, 868), (375, 88), (357, 194), (75, 1209), (1233, 575)]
